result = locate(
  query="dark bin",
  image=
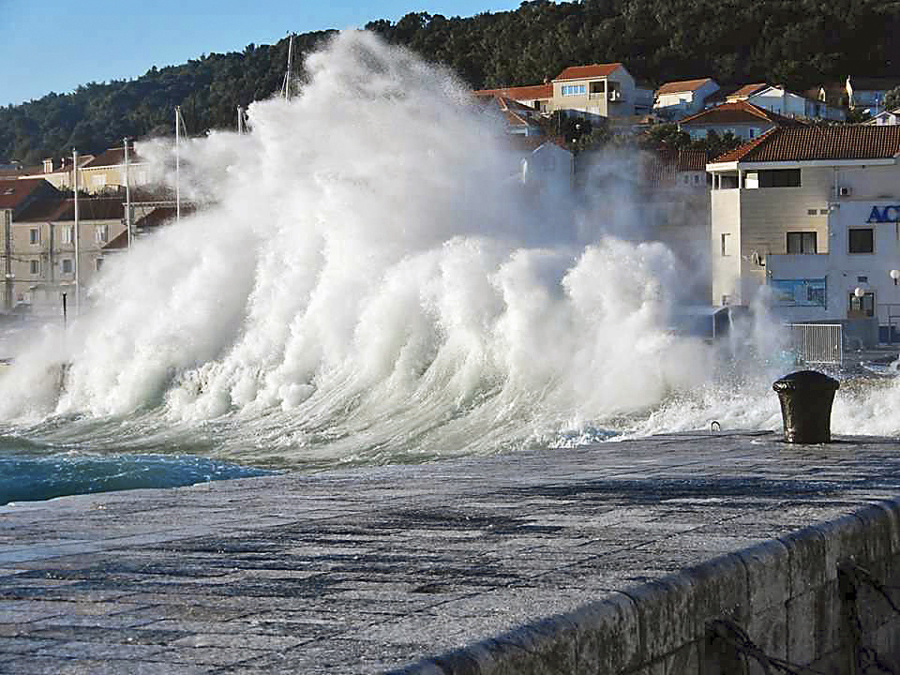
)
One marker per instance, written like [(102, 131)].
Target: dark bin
[(806, 397)]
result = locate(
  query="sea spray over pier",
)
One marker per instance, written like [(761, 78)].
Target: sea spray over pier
[(368, 281)]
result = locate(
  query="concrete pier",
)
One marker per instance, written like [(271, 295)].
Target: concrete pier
[(611, 558)]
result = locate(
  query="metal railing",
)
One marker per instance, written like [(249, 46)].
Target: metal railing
[(821, 343)]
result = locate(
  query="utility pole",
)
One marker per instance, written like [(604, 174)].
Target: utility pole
[(286, 87), (127, 195), (240, 113)]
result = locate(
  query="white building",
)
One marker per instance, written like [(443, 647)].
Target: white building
[(780, 100), (814, 213), (886, 117), (867, 93), (741, 119), (675, 100)]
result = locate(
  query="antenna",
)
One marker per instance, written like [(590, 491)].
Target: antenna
[(286, 87)]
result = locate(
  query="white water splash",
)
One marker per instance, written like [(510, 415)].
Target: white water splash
[(368, 281)]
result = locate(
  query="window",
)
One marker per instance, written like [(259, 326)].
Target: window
[(775, 178), (34, 236), (101, 234), (862, 240), (98, 264), (66, 266), (68, 234), (573, 90), (726, 243), (35, 267), (801, 242)]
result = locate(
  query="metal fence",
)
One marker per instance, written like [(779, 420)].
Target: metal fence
[(818, 342)]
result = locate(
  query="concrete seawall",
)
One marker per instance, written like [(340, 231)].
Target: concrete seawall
[(812, 600), (619, 558)]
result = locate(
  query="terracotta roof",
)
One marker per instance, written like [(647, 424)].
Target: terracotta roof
[(532, 143), (660, 167), (683, 85), (529, 93), (113, 157), (586, 72), (64, 210), (15, 191), (819, 143), (739, 112), (748, 90)]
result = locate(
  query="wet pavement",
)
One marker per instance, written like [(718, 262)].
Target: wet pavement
[(368, 570)]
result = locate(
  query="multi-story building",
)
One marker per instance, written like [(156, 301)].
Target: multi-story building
[(38, 255), (675, 100), (788, 104), (812, 212), (597, 91)]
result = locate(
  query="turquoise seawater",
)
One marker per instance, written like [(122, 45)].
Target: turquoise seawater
[(32, 471)]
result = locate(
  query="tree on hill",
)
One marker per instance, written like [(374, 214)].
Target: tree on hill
[(799, 44)]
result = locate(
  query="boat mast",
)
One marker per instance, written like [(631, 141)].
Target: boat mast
[(286, 87), (177, 163), (75, 232), (127, 195)]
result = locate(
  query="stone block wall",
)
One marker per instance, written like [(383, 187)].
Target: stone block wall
[(819, 598)]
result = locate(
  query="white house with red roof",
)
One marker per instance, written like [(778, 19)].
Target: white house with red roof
[(538, 96), (813, 213), (675, 100), (741, 119)]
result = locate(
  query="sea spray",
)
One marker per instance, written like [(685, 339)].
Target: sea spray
[(368, 280)]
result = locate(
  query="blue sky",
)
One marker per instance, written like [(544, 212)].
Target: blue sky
[(51, 45)]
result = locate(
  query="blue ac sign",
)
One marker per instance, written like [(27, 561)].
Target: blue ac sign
[(887, 214)]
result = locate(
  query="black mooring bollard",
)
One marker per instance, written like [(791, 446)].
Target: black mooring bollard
[(806, 397)]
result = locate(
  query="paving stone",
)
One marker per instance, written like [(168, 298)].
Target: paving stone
[(367, 570)]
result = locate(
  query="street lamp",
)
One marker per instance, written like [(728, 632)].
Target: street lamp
[(895, 275), (859, 291)]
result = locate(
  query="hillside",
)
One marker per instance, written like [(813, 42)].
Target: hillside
[(799, 43)]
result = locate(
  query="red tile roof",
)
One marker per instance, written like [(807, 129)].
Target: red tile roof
[(587, 72), (660, 168), (64, 210), (15, 191), (529, 93), (113, 157), (739, 112), (747, 90), (819, 143), (683, 85)]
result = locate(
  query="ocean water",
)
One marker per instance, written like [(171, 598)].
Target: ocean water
[(368, 281)]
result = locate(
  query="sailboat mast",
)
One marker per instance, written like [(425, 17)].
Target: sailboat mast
[(177, 163), (286, 88)]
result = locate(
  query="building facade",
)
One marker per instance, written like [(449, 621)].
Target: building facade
[(741, 119), (675, 100), (813, 213)]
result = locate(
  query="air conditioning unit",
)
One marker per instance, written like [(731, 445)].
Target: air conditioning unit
[(844, 191)]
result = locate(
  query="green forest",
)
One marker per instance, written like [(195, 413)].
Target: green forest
[(798, 43)]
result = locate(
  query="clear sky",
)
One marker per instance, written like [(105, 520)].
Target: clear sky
[(50, 45)]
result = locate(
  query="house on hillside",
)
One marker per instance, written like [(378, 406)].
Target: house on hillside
[(675, 100), (518, 118), (885, 118), (811, 212), (538, 97), (788, 104), (744, 92), (600, 91), (743, 120), (867, 93), (547, 166)]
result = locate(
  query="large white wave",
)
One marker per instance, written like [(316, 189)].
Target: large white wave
[(369, 279)]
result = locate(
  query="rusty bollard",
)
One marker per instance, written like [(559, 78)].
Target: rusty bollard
[(806, 397)]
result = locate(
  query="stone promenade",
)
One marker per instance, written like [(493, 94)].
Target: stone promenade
[(369, 570)]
